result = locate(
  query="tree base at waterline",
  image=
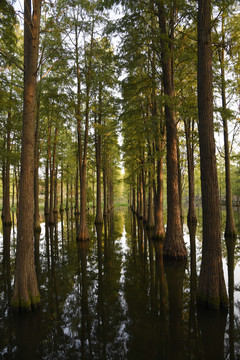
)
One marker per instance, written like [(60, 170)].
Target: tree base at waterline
[(174, 248), (83, 234), (23, 304)]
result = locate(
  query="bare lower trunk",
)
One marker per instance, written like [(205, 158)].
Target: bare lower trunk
[(211, 287), (159, 224), (55, 208), (174, 246), (230, 230), (83, 233), (37, 226), (7, 213), (150, 208), (61, 206), (25, 292), (192, 217)]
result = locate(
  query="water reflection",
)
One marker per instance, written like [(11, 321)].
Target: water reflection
[(113, 297), (230, 243)]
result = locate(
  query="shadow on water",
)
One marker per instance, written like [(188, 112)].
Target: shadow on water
[(113, 297)]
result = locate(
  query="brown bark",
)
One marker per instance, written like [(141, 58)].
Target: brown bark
[(67, 195), (37, 226), (174, 246), (83, 233), (192, 217), (3, 186), (25, 292), (211, 287), (48, 164), (133, 197), (104, 188), (55, 207), (76, 191), (61, 205), (52, 178), (6, 208), (16, 172), (230, 230), (159, 223), (99, 218)]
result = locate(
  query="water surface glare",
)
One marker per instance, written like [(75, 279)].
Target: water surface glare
[(115, 298)]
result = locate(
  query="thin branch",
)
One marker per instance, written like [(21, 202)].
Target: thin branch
[(12, 59)]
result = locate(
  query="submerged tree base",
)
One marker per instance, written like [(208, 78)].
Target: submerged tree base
[(212, 303), (83, 234), (174, 249), (21, 304)]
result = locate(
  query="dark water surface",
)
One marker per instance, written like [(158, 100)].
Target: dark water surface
[(115, 298)]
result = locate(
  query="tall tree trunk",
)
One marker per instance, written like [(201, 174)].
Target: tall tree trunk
[(37, 226), (150, 222), (211, 287), (55, 207), (159, 223), (25, 292), (76, 190), (67, 194), (48, 164), (230, 230), (174, 246), (192, 217), (52, 178), (83, 233), (98, 139), (16, 174), (7, 213), (61, 206), (133, 196), (3, 187), (104, 188)]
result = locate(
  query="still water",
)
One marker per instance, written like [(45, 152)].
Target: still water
[(115, 298)]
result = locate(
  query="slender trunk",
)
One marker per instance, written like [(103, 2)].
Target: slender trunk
[(150, 221), (211, 286), (48, 162), (25, 292), (7, 213), (83, 233), (174, 246), (52, 178), (55, 208), (76, 191), (230, 229), (144, 197), (3, 186), (13, 194), (61, 206), (98, 139), (179, 180), (192, 217), (159, 223), (111, 191), (133, 197), (16, 172), (37, 226), (67, 195), (104, 189)]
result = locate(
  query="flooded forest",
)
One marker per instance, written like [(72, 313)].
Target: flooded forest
[(119, 179)]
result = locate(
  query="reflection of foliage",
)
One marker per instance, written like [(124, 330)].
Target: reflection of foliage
[(103, 299)]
